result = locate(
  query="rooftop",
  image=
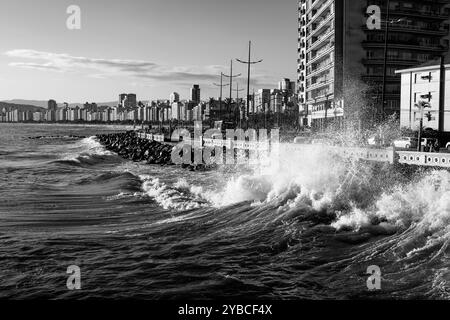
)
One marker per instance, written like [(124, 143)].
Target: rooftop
[(428, 65)]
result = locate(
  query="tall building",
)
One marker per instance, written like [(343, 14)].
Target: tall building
[(287, 86), (262, 101), (131, 102), (52, 105), (195, 93), (122, 98), (176, 111), (341, 54), (128, 101), (174, 97)]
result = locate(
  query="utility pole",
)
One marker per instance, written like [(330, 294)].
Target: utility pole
[(386, 36), (248, 63), (441, 95), (231, 76), (221, 85)]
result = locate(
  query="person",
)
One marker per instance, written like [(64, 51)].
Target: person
[(437, 147), (429, 146)]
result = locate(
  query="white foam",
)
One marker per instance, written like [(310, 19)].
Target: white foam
[(424, 204), (85, 148), (176, 196)]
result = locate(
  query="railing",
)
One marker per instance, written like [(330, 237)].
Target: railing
[(150, 136), (229, 144), (424, 158), (388, 155)]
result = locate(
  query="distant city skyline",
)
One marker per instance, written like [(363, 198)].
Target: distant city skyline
[(151, 48)]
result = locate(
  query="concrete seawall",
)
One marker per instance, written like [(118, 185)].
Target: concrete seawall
[(152, 149)]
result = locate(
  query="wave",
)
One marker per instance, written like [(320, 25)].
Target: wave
[(86, 152), (178, 196)]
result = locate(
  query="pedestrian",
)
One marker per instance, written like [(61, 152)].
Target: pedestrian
[(437, 147)]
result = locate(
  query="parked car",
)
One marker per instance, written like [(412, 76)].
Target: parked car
[(372, 141), (406, 142), (302, 140)]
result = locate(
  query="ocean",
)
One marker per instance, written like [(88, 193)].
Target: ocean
[(303, 226)]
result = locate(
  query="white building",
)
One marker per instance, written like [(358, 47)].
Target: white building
[(174, 97), (423, 83), (176, 111)]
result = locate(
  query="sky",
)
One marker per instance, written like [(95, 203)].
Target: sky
[(147, 47)]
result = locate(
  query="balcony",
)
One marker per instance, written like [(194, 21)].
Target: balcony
[(396, 61), (317, 10), (325, 22), (417, 10), (322, 53), (319, 84), (411, 45), (443, 31), (321, 39), (320, 69)]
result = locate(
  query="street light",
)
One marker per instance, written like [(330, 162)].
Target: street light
[(386, 41), (231, 76), (249, 63), (220, 98)]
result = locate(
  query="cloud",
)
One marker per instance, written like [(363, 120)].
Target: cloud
[(103, 68), (137, 69)]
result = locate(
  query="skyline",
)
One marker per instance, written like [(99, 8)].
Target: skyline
[(131, 47)]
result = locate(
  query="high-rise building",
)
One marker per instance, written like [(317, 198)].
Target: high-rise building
[(195, 93), (122, 98), (176, 111), (52, 105), (341, 54), (174, 97), (131, 102), (262, 101), (128, 101)]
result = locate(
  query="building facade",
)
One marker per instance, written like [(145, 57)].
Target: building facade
[(428, 83), (195, 93), (341, 55), (52, 105), (174, 97)]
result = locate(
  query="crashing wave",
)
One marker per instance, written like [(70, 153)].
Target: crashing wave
[(86, 151)]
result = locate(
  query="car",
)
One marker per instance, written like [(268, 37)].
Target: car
[(405, 142), (372, 141), (302, 140)]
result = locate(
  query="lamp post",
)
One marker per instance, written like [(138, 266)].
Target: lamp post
[(386, 35), (221, 85), (249, 63), (231, 76), (386, 42)]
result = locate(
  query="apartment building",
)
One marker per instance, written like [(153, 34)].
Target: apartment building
[(341, 58)]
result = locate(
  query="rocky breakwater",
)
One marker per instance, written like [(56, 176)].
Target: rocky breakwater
[(131, 147)]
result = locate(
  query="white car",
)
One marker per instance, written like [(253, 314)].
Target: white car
[(405, 142)]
